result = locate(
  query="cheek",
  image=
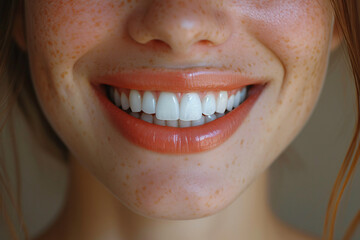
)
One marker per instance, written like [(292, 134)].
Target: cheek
[(297, 33), (59, 34), (62, 31), (300, 40), (293, 30)]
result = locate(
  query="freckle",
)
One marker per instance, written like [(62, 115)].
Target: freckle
[(199, 164), (217, 192), (124, 184), (151, 182), (109, 139), (186, 198), (227, 165), (127, 177), (243, 180), (144, 188), (139, 162), (122, 164), (63, 74), (186, 159)]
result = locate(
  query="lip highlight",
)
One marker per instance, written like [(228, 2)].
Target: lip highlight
[(187, 80), (164, 139)]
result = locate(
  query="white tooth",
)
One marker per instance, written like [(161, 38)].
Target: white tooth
[(210, 118), (135, 114), (219, 115), (124, 102), (230, 103), (167, 107), (221, 102), (147, 118), (159, 122), (148, 103), (237, 99), (209, 104), (172, 123), (184, 124), (199, 122), (135, 101), (117, 98), (190, 107), (243, 94)]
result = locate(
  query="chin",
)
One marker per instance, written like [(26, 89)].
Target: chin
[(164, 195), (181, 204)]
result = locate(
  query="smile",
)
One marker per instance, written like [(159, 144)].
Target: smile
[(177, 109), (198, 112)]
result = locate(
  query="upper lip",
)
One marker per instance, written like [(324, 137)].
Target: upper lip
[(177, 80)]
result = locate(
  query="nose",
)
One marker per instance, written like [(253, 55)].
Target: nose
[(179, 25)]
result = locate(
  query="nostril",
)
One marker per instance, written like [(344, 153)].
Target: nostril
[(205, 42), (157, 44)]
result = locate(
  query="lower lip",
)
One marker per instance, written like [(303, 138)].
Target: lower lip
[(163, 139)]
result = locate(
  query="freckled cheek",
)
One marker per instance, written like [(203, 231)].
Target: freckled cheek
[(66, 34)]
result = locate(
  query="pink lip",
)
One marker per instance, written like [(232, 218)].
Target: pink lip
[(177, 140)]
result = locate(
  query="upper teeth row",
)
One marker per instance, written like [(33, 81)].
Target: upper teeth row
[(167, 106)]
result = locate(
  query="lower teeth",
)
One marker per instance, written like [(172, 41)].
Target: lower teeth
[(151, 118)]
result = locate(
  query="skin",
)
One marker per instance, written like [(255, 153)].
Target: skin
[(285, 41)]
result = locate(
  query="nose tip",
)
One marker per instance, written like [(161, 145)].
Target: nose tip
[(179, 26)]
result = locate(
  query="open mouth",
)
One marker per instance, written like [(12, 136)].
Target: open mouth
[(177, 112), (177, 109)]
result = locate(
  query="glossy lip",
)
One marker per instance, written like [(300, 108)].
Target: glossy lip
[(178, 81), (163, 139)]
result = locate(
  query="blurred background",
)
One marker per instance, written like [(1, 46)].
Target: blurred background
[(300, 181)]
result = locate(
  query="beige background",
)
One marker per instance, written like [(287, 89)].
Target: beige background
[(301, 179)]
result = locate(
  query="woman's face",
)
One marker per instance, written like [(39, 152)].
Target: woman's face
[(80, 51)]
